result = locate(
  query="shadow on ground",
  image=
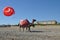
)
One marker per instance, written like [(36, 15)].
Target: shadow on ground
[(37, 31)]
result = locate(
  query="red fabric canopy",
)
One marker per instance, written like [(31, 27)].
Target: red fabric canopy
[(24, 22)]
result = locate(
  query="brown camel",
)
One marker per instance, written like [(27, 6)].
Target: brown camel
[(27, 25)]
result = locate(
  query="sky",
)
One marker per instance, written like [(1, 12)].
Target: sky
[(41, 10)]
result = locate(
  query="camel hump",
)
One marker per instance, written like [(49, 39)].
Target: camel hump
[(24, 22)]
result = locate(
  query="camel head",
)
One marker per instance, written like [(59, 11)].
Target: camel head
[(33, 20), (32, 24)]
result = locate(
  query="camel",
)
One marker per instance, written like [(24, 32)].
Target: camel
[(27, 25)]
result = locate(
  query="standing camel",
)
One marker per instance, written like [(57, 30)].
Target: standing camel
[(26, 24)]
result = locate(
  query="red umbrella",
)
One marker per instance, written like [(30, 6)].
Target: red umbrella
[(8, 11)]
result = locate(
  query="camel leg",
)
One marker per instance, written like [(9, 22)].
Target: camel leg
[(28, 28), (23, 29), (20, 28)]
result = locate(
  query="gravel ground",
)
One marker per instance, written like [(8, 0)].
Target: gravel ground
[(37, 33)]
